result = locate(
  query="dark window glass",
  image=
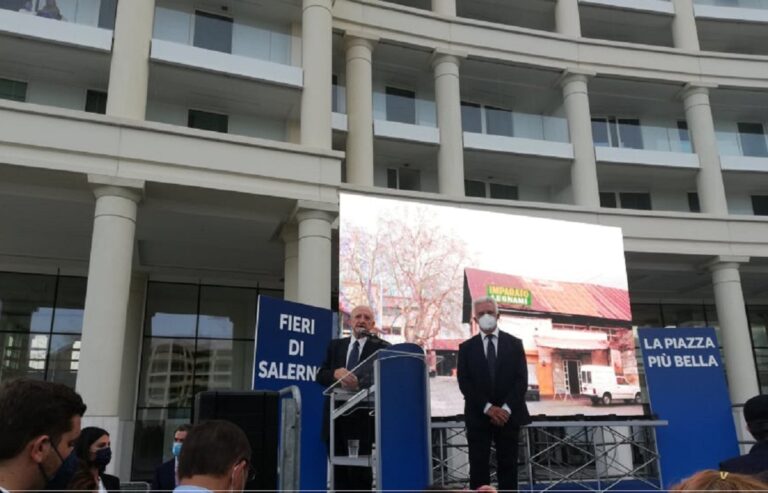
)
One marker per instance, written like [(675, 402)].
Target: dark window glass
[(635, 200), (392, 178), (227, 313), (64, 359), (401, 105), (758, 324), (684, 315), (760, 205), (96, 102), (693, 202), (501, 191), (335, 93), (23, 355), (629, 131), (752, 139), (647, 315), (498, 121), (600, 133), (474, 188), (410, 179), (684, 136), (208, 121), (223, 365), (168, 372), (761, 361), (171, 310), (107, 13), (213, 32), (26, 302), (13, 89), (471, 119), (608, 199), (70, 305)]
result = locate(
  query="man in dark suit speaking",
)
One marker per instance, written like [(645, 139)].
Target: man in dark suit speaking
[(493, 376), (342, 356)]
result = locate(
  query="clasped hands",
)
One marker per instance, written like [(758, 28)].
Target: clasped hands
[(348, 379), (499, 416)]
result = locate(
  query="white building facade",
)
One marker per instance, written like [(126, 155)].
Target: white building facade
[(164, 162)]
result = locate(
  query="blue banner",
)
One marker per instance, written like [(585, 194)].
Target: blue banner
[(291, 340), (686, 387)]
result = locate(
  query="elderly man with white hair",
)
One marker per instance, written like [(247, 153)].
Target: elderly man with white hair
[(493, 376)]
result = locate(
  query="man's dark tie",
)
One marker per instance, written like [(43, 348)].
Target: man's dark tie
[(491, 355), (354, 355)]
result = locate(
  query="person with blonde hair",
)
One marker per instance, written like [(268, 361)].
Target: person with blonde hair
[(711, 480)]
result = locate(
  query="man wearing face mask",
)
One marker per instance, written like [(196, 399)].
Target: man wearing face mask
[(493, 377), (342, 356), (166, 475), (216, 457), (39, 423)]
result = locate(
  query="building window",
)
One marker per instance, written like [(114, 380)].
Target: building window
[(401, 105), (608, 199), (196, 338), (41, 318), (684, 136), (13, 89), (752, 139), (760, 205), (501, 191), (626, 200), (204, 120), (107, 14), (471, 117), (474, 188), (335, 93), (213, 32), (693, 202), (498, 121), (404, 179), (96, 102), (617, 132)]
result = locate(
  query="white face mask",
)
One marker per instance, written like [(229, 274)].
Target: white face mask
[(487, 322)]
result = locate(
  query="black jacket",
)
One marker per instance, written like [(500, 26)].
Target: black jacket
[(111, 483), (755, 462), (165, 476), (510, 384)]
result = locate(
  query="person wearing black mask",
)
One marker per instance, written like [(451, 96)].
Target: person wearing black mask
[(39, 423), (94, 452)]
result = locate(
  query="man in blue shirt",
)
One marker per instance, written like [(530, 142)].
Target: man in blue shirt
[(216, 456)]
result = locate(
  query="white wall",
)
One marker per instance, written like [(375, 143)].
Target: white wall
[(532, 193), (255, 38), (59, 95), (670, 200), (739, 203)]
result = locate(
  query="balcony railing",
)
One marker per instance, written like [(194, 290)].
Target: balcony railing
[(742, 4), (94, 13)]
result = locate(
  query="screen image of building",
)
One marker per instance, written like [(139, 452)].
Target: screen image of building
[(165, 162)]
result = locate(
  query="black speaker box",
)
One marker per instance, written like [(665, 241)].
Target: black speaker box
[(257, 414)]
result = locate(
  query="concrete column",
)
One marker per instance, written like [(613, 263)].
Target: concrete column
[(359, 50), (567, 19), (444, 7), (314, 286), (710, 185), (109, 347), (584, 169), (684, 32), (129, 68), (734, 331), (450, 156), (317, 48), (290, 237)]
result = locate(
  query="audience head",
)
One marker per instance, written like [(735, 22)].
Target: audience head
[(39, 424), (710, 480), (93, 448), (217, 455), (179, 435), (756, 416)]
